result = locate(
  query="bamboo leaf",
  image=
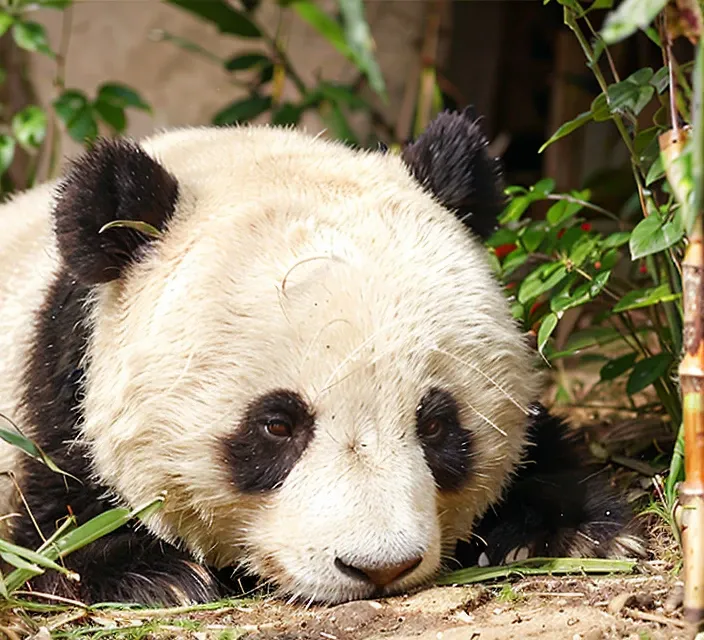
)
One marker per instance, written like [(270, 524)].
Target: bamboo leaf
[(647, 371), (222, 15), (137, 225), (567, 128), (614, 368), (547, 326), (630, 16), (538, 566), (645, 298)]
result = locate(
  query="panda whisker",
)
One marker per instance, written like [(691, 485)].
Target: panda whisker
[(487, 420), (355, 352), (315, 339), (332, 257), (486, 375)]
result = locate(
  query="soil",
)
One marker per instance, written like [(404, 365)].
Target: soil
[(582, 608)]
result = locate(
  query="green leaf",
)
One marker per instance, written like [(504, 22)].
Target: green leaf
[(561, 211), (243, 110), (326, 26), (31, 36), (600, 108), (361, 43), (614, 368), (581, 295), (541, 280), (630, 16), (652, 235), (29, 126), (287, 114), (137, 225), (537, 566), (112, 115), (24, 444), (247, 61), (20, 563), (6, 21), (656, 171), (567, 128), (587, 338), (83, 127), (7, 152), (516, 208), (32, 556), (547, 326), (632, 94), (121, 96), (543, 187), (502, 236), (647, 371), (532, 236), (582, 249), (661, 79), (645, 298), (222, 15), (341, 94), (616, 239), (69, 103), (514, 260), (336, 122)]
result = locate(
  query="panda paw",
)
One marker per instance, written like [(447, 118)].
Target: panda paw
[(132, 568)]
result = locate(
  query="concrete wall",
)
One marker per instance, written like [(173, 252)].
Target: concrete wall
[(113, 40)]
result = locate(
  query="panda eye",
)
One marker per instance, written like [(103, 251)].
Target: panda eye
[(279, 427), (431, 429)]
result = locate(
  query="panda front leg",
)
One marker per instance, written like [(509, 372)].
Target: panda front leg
[(555, 506), (132, 567)]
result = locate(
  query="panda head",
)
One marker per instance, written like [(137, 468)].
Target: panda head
[(312, 358)]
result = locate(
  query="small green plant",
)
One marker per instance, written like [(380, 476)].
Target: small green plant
[(82, 116), (264, 69), (624, 265)]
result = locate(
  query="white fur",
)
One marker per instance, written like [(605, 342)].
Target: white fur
[(294, 262)]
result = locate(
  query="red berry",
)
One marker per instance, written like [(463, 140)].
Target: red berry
[(511, 285), (504, 249), (643, 268), (597, 265), (535, 307), (561, 233), (586, 226)]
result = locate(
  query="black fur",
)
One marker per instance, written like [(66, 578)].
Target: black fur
[(129, 564), (556, 505), (447, 446), (115, 180), (260, 461), (451, 161)]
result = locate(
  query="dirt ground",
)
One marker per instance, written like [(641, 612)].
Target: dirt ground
[(582, 608), (551, 609)]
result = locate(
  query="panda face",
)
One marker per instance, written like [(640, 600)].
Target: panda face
[(313, 361)]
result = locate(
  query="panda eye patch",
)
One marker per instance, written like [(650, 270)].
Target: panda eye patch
[(266, 444), (447, 445)]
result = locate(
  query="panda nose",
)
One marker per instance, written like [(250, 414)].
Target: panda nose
[(379, 576)]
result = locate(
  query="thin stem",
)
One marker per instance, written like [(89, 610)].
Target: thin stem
[(586, 204), (612, 66)]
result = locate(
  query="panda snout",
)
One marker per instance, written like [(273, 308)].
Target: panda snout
[(379, 576)]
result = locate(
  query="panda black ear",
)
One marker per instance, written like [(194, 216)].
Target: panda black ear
[(114, 180), (450, 160)]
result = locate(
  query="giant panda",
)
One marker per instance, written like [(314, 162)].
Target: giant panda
[(309, 357)]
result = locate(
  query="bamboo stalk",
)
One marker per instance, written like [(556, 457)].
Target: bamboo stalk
[(692, 380)]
